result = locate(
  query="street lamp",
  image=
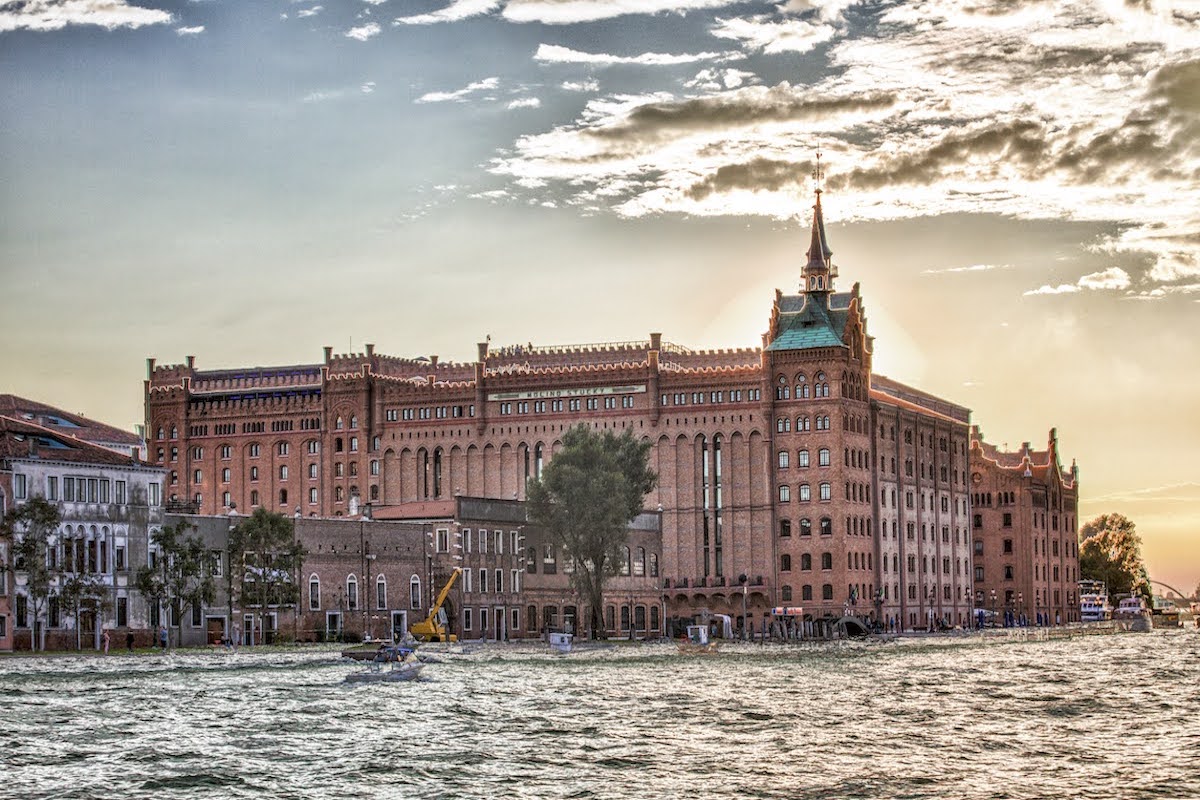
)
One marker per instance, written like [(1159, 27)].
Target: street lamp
[(745, 582), (993, 608), (1021, 607)]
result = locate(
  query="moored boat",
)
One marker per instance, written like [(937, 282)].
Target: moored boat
[(1093, 602), (697, 642), (1133, 613), (390, 664)]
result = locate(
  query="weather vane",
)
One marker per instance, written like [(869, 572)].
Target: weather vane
[(818, 173)]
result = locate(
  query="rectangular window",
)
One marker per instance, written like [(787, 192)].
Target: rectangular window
[(196, 613), (499, 541), (443, 540), (122, 612), (483, 581), (51, 488), (467, 621), (380, 594), (119, 558), (483, 541), (467, 581), (514, 581), (466, 538), (19, 490), (155, 493), (514, 541), (120, 496)]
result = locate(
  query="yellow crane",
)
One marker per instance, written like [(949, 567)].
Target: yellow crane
[(433, 628)]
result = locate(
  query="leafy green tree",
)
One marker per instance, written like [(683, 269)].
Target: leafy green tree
[(83, 591), (29, 529), (1112, 552), (181, 577), (587, 496), (267, 558)]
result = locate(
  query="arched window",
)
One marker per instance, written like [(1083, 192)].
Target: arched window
[(826, 526), (624, 560), (783, 425), (826, 560), (827, 591), (785, 528), (782, 392), (806, 527), (823, 457), (826, 491), (785, 493), (802, 424), (339, 494), (374, 492), (352, 593), (414, 592), (531, 559), (805, 562), (654, 565), (786, 594), (338, 445), (785, 458), (314, 593), (802, 456), (801, 386), (785, 563), (381, 592), (805, 493), (639, 563), (339, 424), (353, 421), (806, 592)]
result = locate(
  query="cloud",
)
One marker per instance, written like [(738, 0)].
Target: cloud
[(364, 32), (456, 11), (53, 15), (972, 268), (459, 95), (525, 102), (1113, 278), (1032, 109), (557, 54), (338, 94), (566, 12), (1174, 492), (786, 36), (309, 12), (193, 31), (589, 85), (713, 80)]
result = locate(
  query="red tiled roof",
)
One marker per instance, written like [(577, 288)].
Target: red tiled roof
[(427, 509), (20, 439), (88, 430)]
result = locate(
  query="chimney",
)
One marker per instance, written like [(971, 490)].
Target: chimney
[(370, 350)]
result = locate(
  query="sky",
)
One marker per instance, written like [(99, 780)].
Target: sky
[(1015, 184)]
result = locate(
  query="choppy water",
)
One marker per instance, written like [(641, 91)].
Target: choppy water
[(1102, 716)]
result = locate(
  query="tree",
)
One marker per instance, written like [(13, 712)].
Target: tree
[(181, 576), (586, 498), (1112, 552), (264, 550), (28, 529), (79, 592)]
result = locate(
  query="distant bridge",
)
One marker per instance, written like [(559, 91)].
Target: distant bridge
[(1179, 594)]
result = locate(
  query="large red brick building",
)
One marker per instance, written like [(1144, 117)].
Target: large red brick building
[(789, 475)]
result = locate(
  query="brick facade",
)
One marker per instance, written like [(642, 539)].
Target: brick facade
[(788, 474)]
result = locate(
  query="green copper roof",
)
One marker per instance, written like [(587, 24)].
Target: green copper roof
[(813, 325)]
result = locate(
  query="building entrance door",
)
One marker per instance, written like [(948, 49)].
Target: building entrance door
[(399, 625), (216, 629)]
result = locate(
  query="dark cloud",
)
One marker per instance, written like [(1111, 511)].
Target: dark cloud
[(1022, 141), (760, 173), (1179, 85), (779, 104)]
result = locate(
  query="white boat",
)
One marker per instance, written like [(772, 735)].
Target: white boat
[(1134, 612), (1093, 602), (561, 642)]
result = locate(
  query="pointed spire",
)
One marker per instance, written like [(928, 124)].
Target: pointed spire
[(818, 273)]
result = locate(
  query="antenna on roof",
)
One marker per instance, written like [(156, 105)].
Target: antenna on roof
[(818, 173)]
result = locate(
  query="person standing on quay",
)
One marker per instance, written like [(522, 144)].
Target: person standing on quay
[(104, 640), (129, 641), (162, 637)]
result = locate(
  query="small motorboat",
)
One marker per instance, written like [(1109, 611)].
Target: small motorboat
[(697, 641), (392, 663)]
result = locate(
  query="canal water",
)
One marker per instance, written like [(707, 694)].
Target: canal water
[(1097, 716)]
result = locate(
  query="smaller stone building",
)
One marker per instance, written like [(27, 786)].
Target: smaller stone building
[(1025, 535)]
